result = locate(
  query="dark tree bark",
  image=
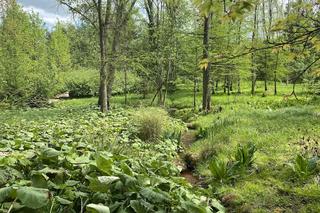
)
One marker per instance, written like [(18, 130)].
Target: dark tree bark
[(206, 95), (275, 75), (253, 72)]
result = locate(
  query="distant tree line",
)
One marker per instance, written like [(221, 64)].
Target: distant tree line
[(219, 45)]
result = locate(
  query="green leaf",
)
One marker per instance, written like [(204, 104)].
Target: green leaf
[(138, 207), (63, 201), (50, 154), (102, 183), (104, 164), (33, 197), (5, 193), (216, 204), (194, 208), (157, 197), (97, 208)]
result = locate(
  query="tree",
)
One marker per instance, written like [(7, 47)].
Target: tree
[(206, 8), (59, 49), (25, 77), (98, 14), (123, 9)]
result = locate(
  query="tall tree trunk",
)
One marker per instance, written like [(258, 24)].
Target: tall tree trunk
[(217, 85), (195, 82), (112, 68), (228, 85), (265, 71), (125, 86), (253, 72), (206, 94), (194, 93), (275, 75), (265, 84), (225, 85), (103, 27), (239, 85), (169, 71), (103, 24), (213, 87)]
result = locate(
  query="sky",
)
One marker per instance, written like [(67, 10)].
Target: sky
[(49, 10)]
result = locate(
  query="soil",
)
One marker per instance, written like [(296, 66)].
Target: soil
[(187, 139)]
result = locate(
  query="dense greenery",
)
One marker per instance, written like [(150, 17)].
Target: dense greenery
[(54, 166)]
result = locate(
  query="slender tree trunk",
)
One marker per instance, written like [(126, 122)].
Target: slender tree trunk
[(167, 81), (265, 85), (213, 87), (206, 96), (125, 86), (228, 85), (239, 85), (217, 85), (103, 57), (275, 75), (195, 82), (253, 72), (112, 68), (225, 85)]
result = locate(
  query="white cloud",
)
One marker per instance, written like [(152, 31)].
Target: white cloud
[(49, 18)]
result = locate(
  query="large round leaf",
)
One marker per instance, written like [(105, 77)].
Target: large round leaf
[(33, 197)]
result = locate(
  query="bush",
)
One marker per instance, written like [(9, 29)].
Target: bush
[(151, 123), (80, 89)]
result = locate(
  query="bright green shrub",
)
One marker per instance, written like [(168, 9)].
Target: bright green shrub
[(80, 89), (24, 73)]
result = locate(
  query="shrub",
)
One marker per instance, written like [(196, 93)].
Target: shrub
[(80, 89), (150, 123)]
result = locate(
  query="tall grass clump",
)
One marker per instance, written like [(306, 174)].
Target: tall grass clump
[(151, 123)]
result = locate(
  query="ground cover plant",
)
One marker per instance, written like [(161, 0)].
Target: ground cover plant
[(90, 162)]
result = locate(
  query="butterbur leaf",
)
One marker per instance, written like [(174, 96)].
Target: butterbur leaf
[(50, 154), (63, 201), (194, 208), (102, 183), (139, 207), (5, 193), (154, 196), (97, 208), (107, 179), (33, 198), (104, 164)]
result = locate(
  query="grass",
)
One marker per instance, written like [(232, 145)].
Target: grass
[(275, 126)]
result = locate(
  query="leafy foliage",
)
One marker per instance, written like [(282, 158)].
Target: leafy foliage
[(304, 167), (244, 156), (79, 89), (72, 163)]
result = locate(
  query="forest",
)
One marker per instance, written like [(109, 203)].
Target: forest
[(138, 106)]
